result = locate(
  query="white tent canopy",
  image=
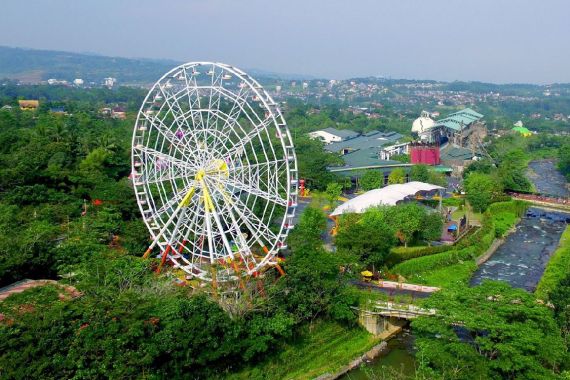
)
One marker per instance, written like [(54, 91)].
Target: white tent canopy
[(386, 196)]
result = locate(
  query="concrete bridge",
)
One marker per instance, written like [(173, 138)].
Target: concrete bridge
[(382, 316)]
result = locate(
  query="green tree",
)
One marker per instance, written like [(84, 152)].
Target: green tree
[(560, 298), (512, 168), (564, 160), (420, 173), (333, 191), (432, 226), (480, 189), (397, 175), (314, 286), (481, 166), (366, 237), (370, 180), (313, 162), (307, 233)]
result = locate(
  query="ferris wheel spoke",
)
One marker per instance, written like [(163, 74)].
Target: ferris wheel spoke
[(192, 103), (180, 119), (255, 132), (170, 99), (258, 227), (165, 132), (268, 171), (224, 215), (233, 185), (174, 202), (160, 160), (248, 218)]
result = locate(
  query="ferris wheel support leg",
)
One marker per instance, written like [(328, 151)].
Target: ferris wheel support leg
[(237, 272), (182, 245), (260, 287), (280, 270), (163, 259)]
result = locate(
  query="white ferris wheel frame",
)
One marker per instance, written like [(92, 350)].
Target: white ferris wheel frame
[(206, 177)]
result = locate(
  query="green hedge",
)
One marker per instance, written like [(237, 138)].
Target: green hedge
[(503, 223), (514, 206), (401, 254), (471, 246), (438, 260), (457, 202), (558, 267)]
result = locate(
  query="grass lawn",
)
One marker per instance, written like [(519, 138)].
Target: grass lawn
[(471, 215), (448, 276), (325, 349)]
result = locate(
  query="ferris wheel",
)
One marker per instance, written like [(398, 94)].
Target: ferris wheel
[(214, 172)]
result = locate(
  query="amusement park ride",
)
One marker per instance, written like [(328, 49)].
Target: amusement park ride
[(214, 172)]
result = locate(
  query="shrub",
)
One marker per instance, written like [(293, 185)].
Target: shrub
[(503, 223), (427, 263), (400, 254), (558, 267)]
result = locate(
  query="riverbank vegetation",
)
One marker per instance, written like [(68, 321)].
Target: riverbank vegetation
[(491, 331), (324, 348), (558, 267)]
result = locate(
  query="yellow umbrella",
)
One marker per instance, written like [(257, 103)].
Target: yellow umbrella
[(367, 273)]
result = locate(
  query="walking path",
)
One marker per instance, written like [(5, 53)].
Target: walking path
[(20, 286)]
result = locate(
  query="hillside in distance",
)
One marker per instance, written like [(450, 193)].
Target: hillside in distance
[(32, 66)]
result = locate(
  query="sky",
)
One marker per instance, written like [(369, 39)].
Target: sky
[(500, 41)]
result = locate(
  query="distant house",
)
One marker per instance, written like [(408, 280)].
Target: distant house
[(394, 150), (524, 132), (110, 82), (331, 135), (372, 141), (58, 110), (119, 113), (364, 153), (458, 158), (28, 105), (6, 107)]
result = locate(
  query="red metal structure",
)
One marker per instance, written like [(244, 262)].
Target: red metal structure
[(428, 154)]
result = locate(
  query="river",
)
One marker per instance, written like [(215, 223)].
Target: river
[(521, 260), (547, 179), (397, 362)]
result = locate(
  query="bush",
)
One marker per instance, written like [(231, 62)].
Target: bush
[(513, 206), (503, 223), (400, 254), (427, 263), (558, 267)]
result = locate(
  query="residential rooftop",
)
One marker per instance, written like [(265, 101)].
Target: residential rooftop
[(344, 134), (370, 140)]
